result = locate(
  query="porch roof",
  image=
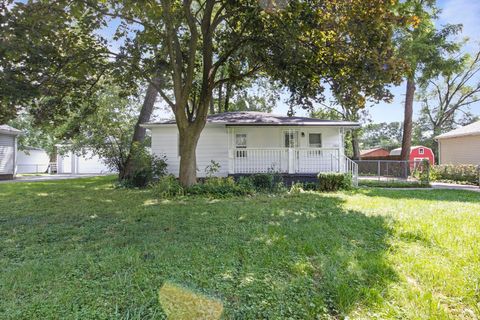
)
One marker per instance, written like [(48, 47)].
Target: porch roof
[(251, 118)]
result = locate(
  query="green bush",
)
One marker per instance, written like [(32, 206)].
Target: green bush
[(456, 173), (147, 168), (333, 181), (220, 187), (297, 188), (262, 181), (168, 187)]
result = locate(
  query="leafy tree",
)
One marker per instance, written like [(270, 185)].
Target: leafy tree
[(179, 47), (50, 61), (45, 138), (108, 132), (423, 47), (446, 99)]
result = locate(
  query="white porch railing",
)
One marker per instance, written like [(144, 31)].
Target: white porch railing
[(290, 160)]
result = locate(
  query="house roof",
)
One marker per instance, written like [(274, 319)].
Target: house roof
[(251, 118), (9, 130), (364, 152), (470, 130), (398, 151)]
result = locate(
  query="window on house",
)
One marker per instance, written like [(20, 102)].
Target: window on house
[(421, 151), (241, 143), (315, 140), (291, 139)]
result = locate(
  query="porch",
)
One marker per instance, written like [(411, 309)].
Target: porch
[(300, 151), (290, 161)]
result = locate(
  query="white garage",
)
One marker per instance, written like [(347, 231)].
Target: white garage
[(32, 160), (8, 152), (84, 163)]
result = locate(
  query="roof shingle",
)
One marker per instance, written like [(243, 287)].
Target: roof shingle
[(251, 118)]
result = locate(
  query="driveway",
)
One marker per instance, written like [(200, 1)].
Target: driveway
[(442, 185), (50, 177)]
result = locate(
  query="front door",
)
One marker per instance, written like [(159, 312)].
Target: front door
[(290, 141)]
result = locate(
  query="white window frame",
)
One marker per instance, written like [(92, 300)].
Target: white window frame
[(295, 136), (315, 153), (421, 150), (241, 153), (321, 139)]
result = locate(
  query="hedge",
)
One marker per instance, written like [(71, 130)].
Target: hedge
[(333, 181), (458, 173)]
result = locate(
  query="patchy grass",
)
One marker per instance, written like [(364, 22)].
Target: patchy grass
[(82, 249)]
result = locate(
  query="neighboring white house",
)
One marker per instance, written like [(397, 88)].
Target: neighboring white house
[(85, 163), (32, 160), (255, 142), (460, 146), (8, 151)]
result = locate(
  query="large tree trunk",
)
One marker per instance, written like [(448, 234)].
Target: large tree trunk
[(139, 132), (188, 160), (407, 122), (355, 144)]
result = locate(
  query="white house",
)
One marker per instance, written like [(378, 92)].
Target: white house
[(255, 142), (8, 151), (460, 146)]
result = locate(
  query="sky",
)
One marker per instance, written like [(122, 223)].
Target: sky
[(466, 12)]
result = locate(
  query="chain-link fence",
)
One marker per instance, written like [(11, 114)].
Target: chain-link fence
[(394, 170)]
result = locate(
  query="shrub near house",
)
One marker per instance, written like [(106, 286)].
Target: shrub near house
[(462, 173)]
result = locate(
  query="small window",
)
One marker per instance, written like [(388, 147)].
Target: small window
[(315, 140), (241, 143), (421, 151)]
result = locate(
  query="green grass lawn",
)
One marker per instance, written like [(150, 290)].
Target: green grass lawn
[(80, 249)]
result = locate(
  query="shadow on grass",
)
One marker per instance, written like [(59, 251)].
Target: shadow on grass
[(428, 194), (263, 257)]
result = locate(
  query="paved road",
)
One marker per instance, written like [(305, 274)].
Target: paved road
[(49, 177)]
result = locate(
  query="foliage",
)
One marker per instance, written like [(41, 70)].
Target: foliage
[(271, 181), (105, 252), (51, 61), (422, 171), (424, 48), (458, 173), (296, 188), (180, 48), (447, 97), (168, 187), (148, 167), (333, 181), (212, 168), (108, 132), (220, 188), (45, 138), (392, 184)]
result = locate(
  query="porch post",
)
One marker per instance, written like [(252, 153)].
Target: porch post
[(231, 153), (291, 161), (340, 169)]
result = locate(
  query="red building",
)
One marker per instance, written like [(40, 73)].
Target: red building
[(374, 153), (417, 154)]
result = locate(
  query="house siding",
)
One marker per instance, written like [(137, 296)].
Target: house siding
[(216, 140), (32, 161), (7, 154), (212, 145), (460, 150)]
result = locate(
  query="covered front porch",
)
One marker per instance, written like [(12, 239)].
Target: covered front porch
[(288, 150)]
